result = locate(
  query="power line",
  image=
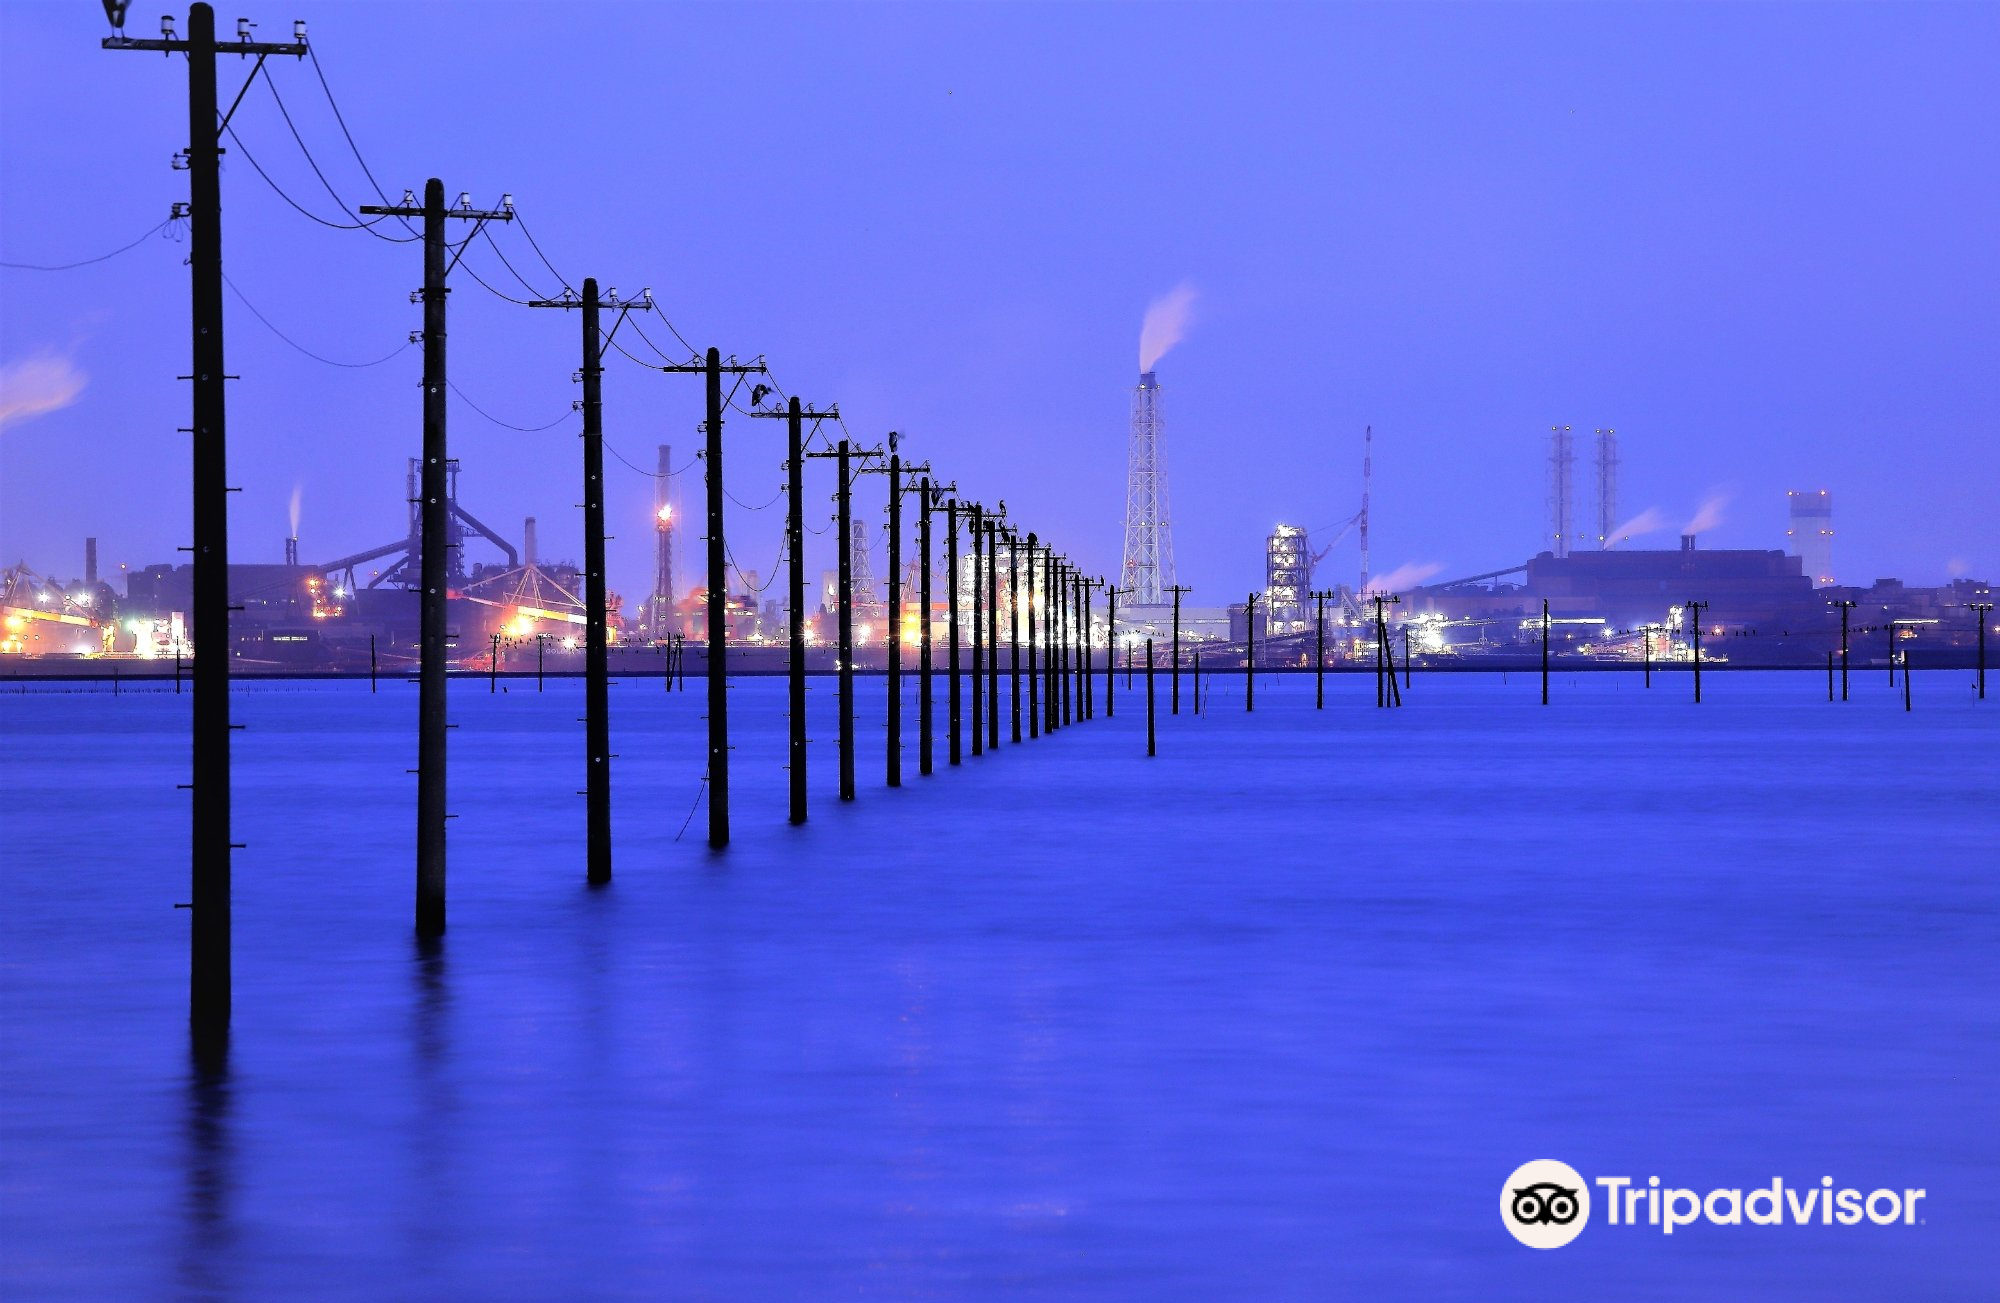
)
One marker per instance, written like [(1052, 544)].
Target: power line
[(313, 53), (524, 429), (303, 210), (244, 300), (539, 254), (533, 291), (313, 163), (85, 262), (488, 287), (682, 470)]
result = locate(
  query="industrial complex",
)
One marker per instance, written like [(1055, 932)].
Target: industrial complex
[(513, 609)]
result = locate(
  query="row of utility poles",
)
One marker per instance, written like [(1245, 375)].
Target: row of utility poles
[(1058, 616), (1056, 604)]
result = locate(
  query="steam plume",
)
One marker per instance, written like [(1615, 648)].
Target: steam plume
[(298, 492), (1407, 575), (1710, 514), (1167, 320), (43, 383), (1648, 521)]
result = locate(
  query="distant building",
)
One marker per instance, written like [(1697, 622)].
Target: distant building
[(1811, 534)]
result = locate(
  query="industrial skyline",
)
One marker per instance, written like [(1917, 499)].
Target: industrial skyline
[(1023, 355)]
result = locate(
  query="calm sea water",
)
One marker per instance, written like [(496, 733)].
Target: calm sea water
[(1271, 1016)]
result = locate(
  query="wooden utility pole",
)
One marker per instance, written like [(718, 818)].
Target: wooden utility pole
[(979, 563), (1014, 626), (1980, 610), (1694, 610), (843, 454), (1110, 647), (953, 699), (209, 981), (1845, 607), (795, 416), (925, 500), (597, 655), (434, 562), (1545, 653), (1319, 647), (1178, 591), (1089, 668), (1039, 574)]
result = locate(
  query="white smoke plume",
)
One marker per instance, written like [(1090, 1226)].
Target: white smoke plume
[(1649, 521), (1710, 514), (38, 384), (1167, 321), (298, 494), (1407, 575)]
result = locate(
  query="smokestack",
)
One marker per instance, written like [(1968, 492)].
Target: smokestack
[(1687, 542), (292, 551), (528, 553), (90, 562)]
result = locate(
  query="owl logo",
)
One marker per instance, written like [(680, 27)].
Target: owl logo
[(1545, 1204)]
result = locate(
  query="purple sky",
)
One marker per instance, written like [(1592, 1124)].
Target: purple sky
[(1757, 239)]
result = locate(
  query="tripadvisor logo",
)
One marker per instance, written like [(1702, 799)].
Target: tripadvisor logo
[(1546, 1204)]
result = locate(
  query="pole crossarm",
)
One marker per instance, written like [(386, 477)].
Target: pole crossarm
[(731, 367)]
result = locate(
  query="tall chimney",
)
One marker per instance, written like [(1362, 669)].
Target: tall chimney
[(528, 553), (90, 562), (292, 550), (1687, 542)]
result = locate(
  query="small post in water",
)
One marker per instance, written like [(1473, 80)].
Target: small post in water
[(1151, 745)]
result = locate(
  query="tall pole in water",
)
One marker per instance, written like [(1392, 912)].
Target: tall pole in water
[(1110, 647), (1694, 610), (1646, 643), (718, 616), (712, 369), (924, 625), (1071, 607), (1175, 671), (433, 511), (795, 415), (1014, 627), (1980, 610), (1545, 654), (597, 663), (1089, 669), (1034, 680), (795, 599), (1249, 654), (1319, 649), (993, 628), (1056, 586), (209, 932), (953, 701), (978, 630), (1845, 607), (894, 755), (1151, 747), (845, 599)]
